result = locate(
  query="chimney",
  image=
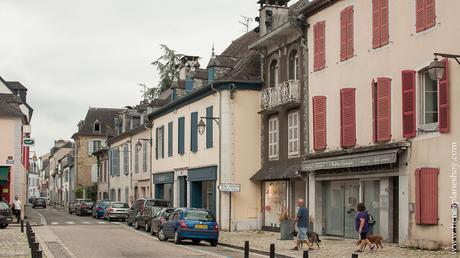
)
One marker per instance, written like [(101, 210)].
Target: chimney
[(272, 14)]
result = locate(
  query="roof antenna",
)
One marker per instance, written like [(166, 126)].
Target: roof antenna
[(246, 21)]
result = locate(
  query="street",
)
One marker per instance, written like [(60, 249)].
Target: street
[(68, 235)]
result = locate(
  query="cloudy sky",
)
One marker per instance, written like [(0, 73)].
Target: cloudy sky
[(72, 54)]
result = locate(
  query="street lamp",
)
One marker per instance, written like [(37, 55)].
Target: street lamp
[(202, 125), (436, 68)]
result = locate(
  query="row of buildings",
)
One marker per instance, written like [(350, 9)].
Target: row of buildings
[(336, 102)]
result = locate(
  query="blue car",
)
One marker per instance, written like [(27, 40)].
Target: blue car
[(192, 224), (99, 208)]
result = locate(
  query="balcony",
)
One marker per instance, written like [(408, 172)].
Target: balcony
[(285, 93)]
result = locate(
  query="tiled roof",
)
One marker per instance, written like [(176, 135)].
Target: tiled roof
[(9, 105), (239, 47), (105, 116)]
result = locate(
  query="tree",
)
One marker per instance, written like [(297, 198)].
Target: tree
[(166, 67)]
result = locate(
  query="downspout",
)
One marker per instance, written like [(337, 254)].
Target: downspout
[(220, 149), (151, 161)]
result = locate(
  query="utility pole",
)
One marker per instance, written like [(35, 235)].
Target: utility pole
[(246, 21)]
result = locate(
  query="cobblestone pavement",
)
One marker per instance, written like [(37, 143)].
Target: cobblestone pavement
[(329, 246), (13, 243)]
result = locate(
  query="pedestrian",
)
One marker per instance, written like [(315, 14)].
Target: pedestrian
[(17, 208), (302, 224), (362, 227)]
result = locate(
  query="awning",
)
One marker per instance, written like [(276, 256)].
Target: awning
[(276, 173), (352, 160), (4, 171)]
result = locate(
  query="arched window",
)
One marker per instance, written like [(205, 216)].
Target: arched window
[(274, 73), (97, 126), (293, 65)]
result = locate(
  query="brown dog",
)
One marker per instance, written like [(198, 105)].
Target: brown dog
[(374, 239)]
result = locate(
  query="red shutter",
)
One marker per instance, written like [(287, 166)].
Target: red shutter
[(430, 18), (426, 196), (408, 104), (374, 115), (322, 45), (319, 123), (316, 47), (343, 35), (443, 102), (348, 117), (384, 27), (383, 109), (420, 20), (350, 45), (376, 23)]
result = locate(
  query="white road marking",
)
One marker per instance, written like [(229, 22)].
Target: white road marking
[(70, 222), (54, 223), (86, 222), (101, 222), (116, 223)]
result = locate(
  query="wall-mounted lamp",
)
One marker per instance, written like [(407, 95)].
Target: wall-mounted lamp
[(436, 68), (202, 124)]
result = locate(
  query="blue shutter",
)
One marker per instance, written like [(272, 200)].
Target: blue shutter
[(181, 136), (156, 143), (188, 84), (111, 162), (170, 139), (209, 127), (162, 141), (194, 131)]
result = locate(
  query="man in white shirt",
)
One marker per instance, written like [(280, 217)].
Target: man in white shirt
[(17, 208)]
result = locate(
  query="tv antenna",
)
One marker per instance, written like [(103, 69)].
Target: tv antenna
[(143, 90), (246, 21)]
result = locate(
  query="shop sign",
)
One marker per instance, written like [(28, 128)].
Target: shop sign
[(29, 142), (164, 178), (10, 160), (229, 187)]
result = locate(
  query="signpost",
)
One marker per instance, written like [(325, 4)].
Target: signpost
[(29, 141), (229, 187)]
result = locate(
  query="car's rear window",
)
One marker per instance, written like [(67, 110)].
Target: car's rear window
[(120, 205), (158, 203), (199, 215), (40, 200), (88, 203), (3, 206)]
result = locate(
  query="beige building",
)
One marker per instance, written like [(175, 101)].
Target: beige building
[(382, 131), (56, 190)]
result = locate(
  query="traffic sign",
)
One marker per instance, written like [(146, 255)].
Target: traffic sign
[(229, 187), (29, 142)]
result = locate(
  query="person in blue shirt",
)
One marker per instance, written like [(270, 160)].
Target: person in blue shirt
[(362, 227), (302, 224)]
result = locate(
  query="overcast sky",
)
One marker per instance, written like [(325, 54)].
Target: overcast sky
[(72, 54)]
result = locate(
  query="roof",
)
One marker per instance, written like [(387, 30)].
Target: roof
[(247, 69), (9, 105), (105, 116), (316, 6), (239, 47), (201, 74), (223, 61), (15, 86)]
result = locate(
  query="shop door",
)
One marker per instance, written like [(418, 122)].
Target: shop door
[(351, 201), (182, 192), (371, 197)]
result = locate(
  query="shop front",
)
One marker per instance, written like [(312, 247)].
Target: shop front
[(203, 187), (5, 184), (164, 186)]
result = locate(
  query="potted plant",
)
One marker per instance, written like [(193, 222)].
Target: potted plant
[(286, 226)]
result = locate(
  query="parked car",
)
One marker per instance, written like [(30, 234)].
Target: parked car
[(85, 208), (140, 211), (73, 206), (159, 218), (39, 202), (190, 223), (6, 215), (99, 208), (116, 210)]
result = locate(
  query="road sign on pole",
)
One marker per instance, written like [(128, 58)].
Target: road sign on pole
[(29, 142), (229, 187)]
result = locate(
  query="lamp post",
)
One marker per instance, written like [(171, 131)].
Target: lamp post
[(436, 68)]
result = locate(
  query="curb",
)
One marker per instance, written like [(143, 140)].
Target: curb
[(257, 251)]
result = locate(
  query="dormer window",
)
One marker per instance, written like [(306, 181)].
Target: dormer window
[(274, 73), (293, 65), (97, 126)]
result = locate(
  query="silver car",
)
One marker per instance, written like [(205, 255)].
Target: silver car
[(116, 210)]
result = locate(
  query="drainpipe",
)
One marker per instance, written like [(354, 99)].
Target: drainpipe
[(220, 149)]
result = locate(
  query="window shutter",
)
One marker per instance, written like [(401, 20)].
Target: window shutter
[(374, 110), (420, 15), (350, 33), (408, 105), (156, 142), (170, 139), (322, 45), (343, 35), (384, 21), (181, 136), (383, 109), (426, 196), (430, 12), (90, 147), (316, 46), (209, 127), (376, 20), (319, 123), (348, 117), (443, 108), (194, 131), (162, 141)]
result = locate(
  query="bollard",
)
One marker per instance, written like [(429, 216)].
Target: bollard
[(35, 249), (305, 254), (272, 250), (354, 256), (39, 254), (246, 249), (22, 226)]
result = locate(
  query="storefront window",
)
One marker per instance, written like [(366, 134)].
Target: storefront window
[(275, 202), (297, 191)]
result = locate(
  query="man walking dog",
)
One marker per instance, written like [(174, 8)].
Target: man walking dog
[(302, 224)]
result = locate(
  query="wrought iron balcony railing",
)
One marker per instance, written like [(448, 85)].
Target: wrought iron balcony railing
[(284, 93)]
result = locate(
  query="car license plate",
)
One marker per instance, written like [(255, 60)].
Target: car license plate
[(201, 226)]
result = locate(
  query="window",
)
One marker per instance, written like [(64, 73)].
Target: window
[(425, 14), (319, 123), (319, 46), (209, 128), (136, 160), (126, 194), (293, 65), (273, 138), (293, 134), (181, 135), (97, 127), (380, 28), (160, 143), (125, 159), (381, 99), (170, 139), (96, 145), (408, 96), (347, 118), (429, 100), (426, 196), (144, 157), (194, 131), (274, 74), (346, 34), (115, 162)]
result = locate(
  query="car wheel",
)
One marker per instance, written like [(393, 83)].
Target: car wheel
[(213, 242), (196, 241), (177, 238), (108, 218), (2, 226), (136, 225), (146, 227), (152, 232), (161, 235), (70, 212), (129, 223)]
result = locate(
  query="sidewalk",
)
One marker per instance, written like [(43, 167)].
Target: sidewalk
[(329, 246), (13, 243)]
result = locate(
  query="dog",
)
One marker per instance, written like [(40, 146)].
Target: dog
[(313, 238), (374, 239)]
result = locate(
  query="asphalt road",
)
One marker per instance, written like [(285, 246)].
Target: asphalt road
[(68, 235)]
